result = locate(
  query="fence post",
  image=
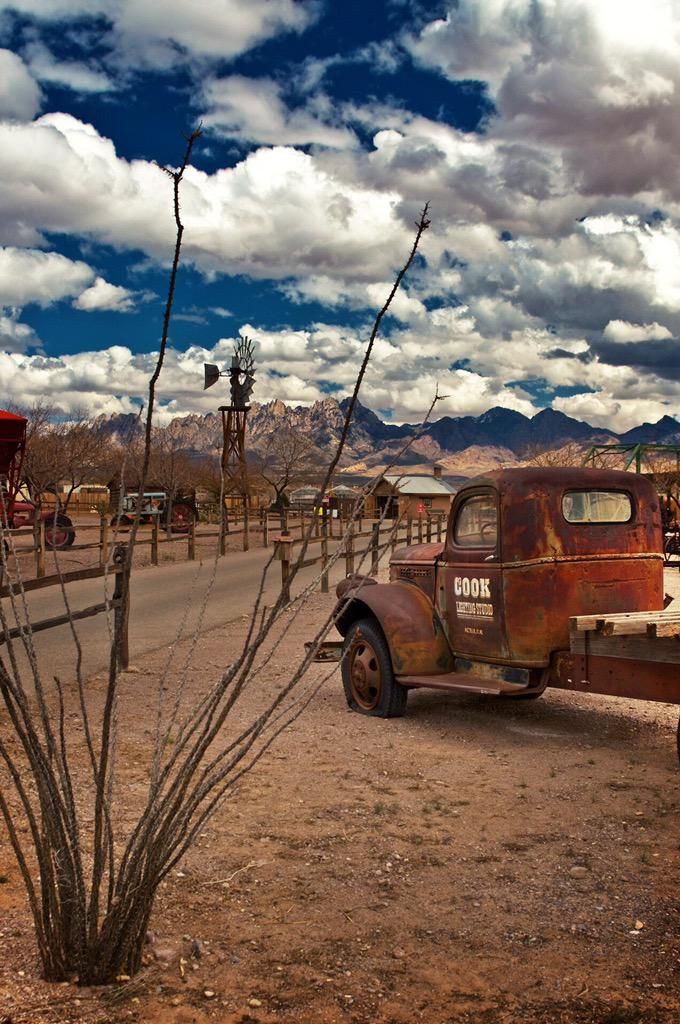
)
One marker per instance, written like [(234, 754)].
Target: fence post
[(191, 541), (121, 608), (324, 552), (439, 528), (375, 548), (409, 532), (428, 528), (349, 550), (283, 547), (154, 539), (420, 528), (265, 529), (39, 544), (103, 538)]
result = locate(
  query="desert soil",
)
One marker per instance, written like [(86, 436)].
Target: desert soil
[(478, 861)]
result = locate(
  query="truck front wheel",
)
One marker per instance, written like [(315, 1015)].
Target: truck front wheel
[(367, 674)]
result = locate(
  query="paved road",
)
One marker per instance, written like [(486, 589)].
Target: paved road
[(160, 597)]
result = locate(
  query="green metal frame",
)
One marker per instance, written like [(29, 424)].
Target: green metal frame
[(632, 453)]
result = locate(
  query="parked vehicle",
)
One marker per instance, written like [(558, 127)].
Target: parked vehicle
[(154, 505), (59, 530), (547, 577)]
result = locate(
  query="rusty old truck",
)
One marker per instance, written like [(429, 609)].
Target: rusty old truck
[(546, 578)]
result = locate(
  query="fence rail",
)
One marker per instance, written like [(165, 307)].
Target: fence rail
[(264, 526), (110, 548), (118, 603)]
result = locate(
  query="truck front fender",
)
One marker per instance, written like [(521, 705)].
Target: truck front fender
[(407, 617)]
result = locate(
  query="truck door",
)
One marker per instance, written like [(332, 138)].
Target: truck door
[(470, 592)]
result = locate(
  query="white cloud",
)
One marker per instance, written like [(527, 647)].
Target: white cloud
[(15, 337), (20, 95), (253, 110), (597, 82), (614, 413), (275, 213), (28, 275), (157, 33), (72, 74), (104, 296), (621, 330), (336, 294)]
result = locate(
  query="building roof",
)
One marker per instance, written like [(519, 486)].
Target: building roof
[(407, 483)]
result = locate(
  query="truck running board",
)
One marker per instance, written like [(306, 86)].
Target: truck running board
[(460, 682)]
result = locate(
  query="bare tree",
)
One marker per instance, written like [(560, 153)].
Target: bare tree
[(61, 454), (91, 884), (286, 458), (571, 454)]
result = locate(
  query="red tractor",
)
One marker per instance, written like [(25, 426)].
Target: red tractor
[(59, 531)]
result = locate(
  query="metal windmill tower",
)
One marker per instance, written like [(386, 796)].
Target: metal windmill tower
[(241, 375)]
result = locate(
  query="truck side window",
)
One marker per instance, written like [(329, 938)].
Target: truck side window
[(597, 507), (477, 523)]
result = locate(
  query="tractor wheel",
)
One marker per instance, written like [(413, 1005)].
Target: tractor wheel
[(182, 517), (59, 532), (367, 673), (121, 521)]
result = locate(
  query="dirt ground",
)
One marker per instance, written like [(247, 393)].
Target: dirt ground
[(478, 861)]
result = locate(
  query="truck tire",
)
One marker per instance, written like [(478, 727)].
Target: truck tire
[(367, 673), (59, 532)]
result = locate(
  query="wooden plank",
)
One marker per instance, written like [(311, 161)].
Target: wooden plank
[(663, 629), (57, 620), (665, 650), (66, 577), (618, 623)]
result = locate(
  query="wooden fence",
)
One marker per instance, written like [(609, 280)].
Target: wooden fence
[(425, 531), (118, 602), (324, 530), (263, 526)]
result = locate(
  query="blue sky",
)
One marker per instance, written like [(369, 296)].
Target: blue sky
[(543, 133)]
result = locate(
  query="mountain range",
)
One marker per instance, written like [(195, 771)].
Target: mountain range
[(463, 444)]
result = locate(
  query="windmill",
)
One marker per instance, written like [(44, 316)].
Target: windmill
[(241, 376)]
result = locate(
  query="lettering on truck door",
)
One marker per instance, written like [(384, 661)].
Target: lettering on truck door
[(470, 582)]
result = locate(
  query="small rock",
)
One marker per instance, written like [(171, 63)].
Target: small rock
[(398, 953), (578, 871), (208, 993), (197, 949), (254, 1003), (132, 670), (175, 1001), (163, 953), (150, 938)]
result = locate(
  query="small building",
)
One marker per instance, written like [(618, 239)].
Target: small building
[(410, 495), (304, 499)]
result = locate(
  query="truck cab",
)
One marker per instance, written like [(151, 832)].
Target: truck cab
[(489, 610)]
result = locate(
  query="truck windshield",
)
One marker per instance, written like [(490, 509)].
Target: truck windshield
[(597, 507)]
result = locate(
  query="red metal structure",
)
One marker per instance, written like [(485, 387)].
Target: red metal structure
[(547, 577), (59, 531)]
